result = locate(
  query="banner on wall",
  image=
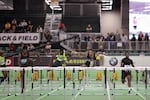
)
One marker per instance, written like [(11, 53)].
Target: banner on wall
[(9, 61), (17, 38)]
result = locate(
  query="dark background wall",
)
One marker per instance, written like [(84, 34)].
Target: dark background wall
[(33, 10), (79, 24), (125, 15), (78, 15), (75, 17)]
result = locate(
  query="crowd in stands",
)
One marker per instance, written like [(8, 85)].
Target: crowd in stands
[(116, 37), (26, 26), (18, 27), (114, 40), (23, 26), (13, 48)]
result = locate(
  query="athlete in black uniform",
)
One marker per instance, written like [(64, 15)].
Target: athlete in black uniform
[(127, 62), (90, 58), (2, 64), (23, 61)]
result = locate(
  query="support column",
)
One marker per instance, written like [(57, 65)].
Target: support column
[(125, 16)]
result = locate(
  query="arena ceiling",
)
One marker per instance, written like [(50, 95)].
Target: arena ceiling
[(107, 4), (140, 6), (6, 4)]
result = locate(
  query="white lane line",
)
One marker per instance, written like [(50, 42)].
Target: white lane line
[(51, 92), (108, 91), (14, 95), (77, 94), (27, 90), (7, 97), (139, 94)]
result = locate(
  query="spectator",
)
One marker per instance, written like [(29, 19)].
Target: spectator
[(62, 27), (42, 47), (22, 45), (117, 36), (48, 36), (19, 48), (101, 37), (29, 27), (146, 39), (133, 42), (7, 27), (23, 26), (89, 28), (112, 39), (13, 29), (12, 48), (108, 40), (140, 40), (30, 46), (100, 50), (108, 37), (14, 22), (87, 38), (124, 40), (48, 48), (39, 29), (76, 43)]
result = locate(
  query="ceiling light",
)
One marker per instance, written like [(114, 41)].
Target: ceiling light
[(2, 3), (143, 1)]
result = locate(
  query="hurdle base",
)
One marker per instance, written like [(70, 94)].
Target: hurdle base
[(92, 94), (19, 94), (9, 94), (124, 94)]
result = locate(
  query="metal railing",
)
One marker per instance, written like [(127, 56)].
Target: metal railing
[(111, 45)]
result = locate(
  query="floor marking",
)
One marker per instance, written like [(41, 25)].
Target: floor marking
[(51, 92), (139, 94), (14, 95), (7, 97), (77, 94), (108, 91)]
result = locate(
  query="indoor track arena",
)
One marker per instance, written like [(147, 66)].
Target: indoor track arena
[(74, 49)]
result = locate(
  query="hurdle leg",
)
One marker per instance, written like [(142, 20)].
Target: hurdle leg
[(22, 80), (137, 79), (105, 81), (73, 82), (146, 96), (114, 86), (64, 84), (41, 82), (15, 83), (52, 80), (32, 83), (8, 82)]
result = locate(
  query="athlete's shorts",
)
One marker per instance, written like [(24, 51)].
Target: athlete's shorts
[(87, 63), (57, 63), (2, 65), (125, 74)]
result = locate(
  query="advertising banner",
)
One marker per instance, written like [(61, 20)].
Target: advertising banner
[(17, 38)]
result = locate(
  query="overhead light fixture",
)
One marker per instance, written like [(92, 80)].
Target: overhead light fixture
[(146, 10), (131, 10), (106, 8), (147, 7), (143, 1), (106, 4), (48, 2), (55, 7), (2, 3), (11, 8)]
